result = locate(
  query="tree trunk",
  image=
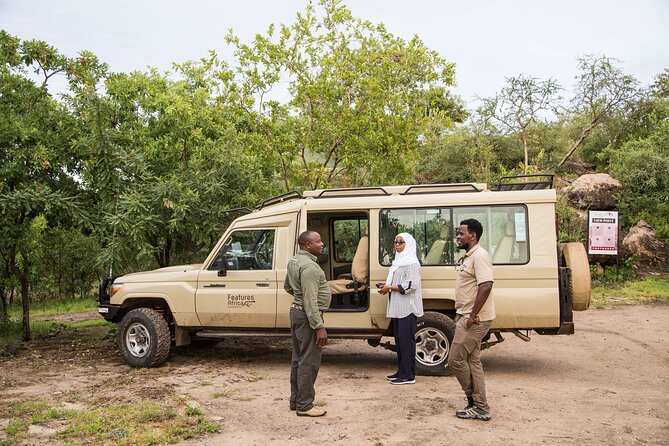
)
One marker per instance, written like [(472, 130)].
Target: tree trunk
[(523, 138), (5, 302), (25, 297), (577, 144), (163, 256)]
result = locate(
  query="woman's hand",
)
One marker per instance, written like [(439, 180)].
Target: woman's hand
[(385, 289)]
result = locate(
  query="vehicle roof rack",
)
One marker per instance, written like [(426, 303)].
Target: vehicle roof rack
[(286, 196), (353, 192), (441, 188), (243, 210), (525, 182)]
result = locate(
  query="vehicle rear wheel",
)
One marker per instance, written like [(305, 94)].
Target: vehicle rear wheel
[(434, 335), (580, 286), (144, 338)]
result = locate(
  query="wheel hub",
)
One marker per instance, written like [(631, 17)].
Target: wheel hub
[(432, 346), (138, 340)]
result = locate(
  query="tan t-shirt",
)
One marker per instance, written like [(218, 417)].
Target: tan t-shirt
[(475, 268)]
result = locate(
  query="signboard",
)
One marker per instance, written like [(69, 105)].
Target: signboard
[(603, 232)]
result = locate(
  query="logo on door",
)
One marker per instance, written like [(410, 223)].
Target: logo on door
[(241, 300)]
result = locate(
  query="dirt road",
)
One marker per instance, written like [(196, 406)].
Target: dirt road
[(607, 384)]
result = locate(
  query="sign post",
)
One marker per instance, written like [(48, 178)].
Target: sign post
[(603, 234)]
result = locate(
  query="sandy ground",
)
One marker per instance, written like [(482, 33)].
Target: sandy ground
[(606, 385)]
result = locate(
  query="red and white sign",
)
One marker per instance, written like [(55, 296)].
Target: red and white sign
[(603, 232)]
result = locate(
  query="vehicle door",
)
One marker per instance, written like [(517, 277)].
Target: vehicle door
[(239, 288)]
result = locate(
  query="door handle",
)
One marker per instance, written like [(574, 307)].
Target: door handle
[(215, 285), (262, 284)]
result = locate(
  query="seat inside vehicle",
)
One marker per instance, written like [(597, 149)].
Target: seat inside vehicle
[(354, 292)]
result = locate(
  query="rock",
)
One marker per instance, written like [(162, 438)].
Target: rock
[(642, 242), (593, 191)]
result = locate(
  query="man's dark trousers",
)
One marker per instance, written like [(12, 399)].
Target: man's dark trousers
[(306, 361)]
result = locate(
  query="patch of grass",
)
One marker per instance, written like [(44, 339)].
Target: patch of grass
[(649, 290), (223, 394), (139, 422), (51, 307), (245, 399), (321, 403), (254, 378), (193, 411)]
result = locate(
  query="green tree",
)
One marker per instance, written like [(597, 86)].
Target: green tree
[(523, 104), (360, 98), (165, 159), (641, 163), (602, 91), (37, 165)]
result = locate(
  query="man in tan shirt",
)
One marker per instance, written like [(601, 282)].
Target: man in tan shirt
[(475, 311), (306, 282)]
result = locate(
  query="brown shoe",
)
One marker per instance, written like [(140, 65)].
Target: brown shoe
[(313, 412)]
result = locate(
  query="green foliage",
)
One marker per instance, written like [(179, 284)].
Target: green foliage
[(38, 163), (358, 95), (64, 264), (612, 275), (642, 166), (522, 106), (569, 224)]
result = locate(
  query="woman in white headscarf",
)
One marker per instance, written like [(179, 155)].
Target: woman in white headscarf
[(405, 304)]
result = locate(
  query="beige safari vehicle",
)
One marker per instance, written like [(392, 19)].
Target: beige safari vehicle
[(238, 290)]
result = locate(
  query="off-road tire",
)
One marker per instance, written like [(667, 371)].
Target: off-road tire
[(144, 338), (580, 285), (434, 336)]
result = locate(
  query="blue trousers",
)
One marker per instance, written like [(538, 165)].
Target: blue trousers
[(405, 340)]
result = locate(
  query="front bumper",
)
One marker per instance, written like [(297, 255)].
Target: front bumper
[(108, 311)]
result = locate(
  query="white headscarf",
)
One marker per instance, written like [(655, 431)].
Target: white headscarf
[(404, 258)]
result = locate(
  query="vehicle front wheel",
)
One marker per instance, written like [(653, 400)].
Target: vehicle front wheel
[(144, 338), (434, 335)]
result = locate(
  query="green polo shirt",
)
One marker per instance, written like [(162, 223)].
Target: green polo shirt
[(306, 282)]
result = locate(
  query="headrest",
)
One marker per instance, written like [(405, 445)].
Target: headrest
[(510, 229), (445, 232), (359, 266)]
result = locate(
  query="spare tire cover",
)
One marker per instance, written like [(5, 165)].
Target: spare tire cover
[(580, 286)]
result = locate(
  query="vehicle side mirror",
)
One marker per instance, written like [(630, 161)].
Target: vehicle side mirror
[(222, 272)]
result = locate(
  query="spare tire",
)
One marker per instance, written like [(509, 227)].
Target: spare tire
[(580, 287)]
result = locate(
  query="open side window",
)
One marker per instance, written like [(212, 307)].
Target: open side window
[(248, 249)]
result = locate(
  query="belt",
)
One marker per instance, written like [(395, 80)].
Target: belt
[(301, 308)]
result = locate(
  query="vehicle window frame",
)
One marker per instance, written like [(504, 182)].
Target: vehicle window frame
[(227, 241), (451, 211)]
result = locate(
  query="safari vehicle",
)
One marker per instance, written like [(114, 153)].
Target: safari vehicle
[(238, 290)]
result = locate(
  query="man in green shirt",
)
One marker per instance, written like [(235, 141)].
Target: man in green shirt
[(306, 282)]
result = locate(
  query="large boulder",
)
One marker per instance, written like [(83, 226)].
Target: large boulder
[(593, 191), (643, 243)]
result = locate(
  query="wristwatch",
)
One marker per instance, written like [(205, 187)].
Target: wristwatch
[(477, 320)]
